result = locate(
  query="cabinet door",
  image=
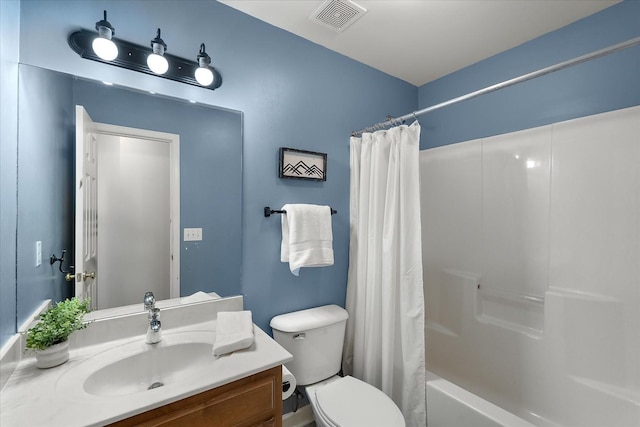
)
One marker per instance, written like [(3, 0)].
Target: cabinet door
[(251, 401)]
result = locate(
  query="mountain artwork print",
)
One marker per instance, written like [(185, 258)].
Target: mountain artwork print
[(301, 164)]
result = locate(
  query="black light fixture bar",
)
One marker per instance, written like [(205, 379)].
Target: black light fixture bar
[(134, 57)]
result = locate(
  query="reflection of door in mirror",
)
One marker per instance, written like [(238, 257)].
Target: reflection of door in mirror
[(137, 201), (86, 208)]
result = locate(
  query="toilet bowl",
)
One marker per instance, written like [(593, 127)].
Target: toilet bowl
[(349, 402), (315, 337)]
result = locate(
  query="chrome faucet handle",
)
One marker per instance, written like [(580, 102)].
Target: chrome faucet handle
[(155, 325), (154, 314), (149, 301)]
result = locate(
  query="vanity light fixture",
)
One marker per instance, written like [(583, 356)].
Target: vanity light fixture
[(203, 73), (136, 57), (102, 45), (156, 60)]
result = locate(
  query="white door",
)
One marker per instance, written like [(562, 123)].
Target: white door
[(88, 136), (86, 245)]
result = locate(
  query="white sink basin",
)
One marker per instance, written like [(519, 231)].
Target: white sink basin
[(137, 367), (156, 367)]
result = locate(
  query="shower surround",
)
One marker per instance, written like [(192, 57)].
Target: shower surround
[(531, 257)]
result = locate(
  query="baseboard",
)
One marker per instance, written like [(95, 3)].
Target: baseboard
[(44, 306), (301, 418)]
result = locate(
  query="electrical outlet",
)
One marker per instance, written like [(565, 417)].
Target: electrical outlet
[(38, 253), (192, 234)]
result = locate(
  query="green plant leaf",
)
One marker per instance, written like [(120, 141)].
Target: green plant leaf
[(57, 323)]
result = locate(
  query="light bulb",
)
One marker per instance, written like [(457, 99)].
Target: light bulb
[(204, 76), (105, 48), (157, 63), (102, 45), (203, 73)]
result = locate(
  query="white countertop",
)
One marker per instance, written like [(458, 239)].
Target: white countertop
[(51, 397)]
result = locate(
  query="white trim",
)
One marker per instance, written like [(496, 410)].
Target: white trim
[(36, 313)]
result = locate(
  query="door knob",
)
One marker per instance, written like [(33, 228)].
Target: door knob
[(81, 277)]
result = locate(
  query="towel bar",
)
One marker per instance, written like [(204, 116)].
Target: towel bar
[(268, 211)]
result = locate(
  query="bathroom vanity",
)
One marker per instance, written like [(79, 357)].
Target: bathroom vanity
[(115, 378), (251, 401)]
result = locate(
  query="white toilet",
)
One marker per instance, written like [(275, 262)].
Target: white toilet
[(314, 337)]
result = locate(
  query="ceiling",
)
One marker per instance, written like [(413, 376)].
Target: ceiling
[(419, 41)]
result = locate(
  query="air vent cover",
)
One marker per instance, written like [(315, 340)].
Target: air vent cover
[(338, 14)]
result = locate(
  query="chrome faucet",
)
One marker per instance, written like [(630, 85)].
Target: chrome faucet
[(154, 331)]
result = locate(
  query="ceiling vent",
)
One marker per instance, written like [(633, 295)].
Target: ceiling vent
[(338, 14)]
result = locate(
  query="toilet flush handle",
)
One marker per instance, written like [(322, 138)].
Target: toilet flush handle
[(299, 336)]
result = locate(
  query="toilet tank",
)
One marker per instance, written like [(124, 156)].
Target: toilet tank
[(314, 337)]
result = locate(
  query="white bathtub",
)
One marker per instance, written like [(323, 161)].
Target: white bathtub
[(451, 406)]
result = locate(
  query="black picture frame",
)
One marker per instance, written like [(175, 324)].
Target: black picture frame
[(302, 164)]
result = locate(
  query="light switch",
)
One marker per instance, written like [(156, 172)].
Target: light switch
[(192, 234)]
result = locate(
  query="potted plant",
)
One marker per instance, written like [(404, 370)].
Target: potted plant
[(49, 337)]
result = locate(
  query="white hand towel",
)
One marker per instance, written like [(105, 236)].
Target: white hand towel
[(307, 237), (234, 331)]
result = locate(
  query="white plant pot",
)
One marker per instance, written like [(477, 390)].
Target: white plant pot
[(52, 356)]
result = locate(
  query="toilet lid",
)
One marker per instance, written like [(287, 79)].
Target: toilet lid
[(349, 402)]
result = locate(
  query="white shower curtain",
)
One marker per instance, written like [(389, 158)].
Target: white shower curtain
[(384, 342)]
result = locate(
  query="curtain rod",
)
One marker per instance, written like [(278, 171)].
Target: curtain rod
[(504, 84)]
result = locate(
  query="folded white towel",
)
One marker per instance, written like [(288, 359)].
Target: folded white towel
[(234, 331), (307, 237)]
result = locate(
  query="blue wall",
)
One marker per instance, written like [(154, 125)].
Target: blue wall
[(45, 178), (293, 93), (604, 84), (9, 33)]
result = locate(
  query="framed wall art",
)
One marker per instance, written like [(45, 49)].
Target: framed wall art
[(302, 164)]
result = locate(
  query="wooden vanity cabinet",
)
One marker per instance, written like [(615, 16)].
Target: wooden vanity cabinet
[(250, 401)]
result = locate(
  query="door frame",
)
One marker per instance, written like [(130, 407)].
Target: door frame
[(174, 188)]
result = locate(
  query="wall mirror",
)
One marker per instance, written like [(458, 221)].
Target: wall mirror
[(210, 187)]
